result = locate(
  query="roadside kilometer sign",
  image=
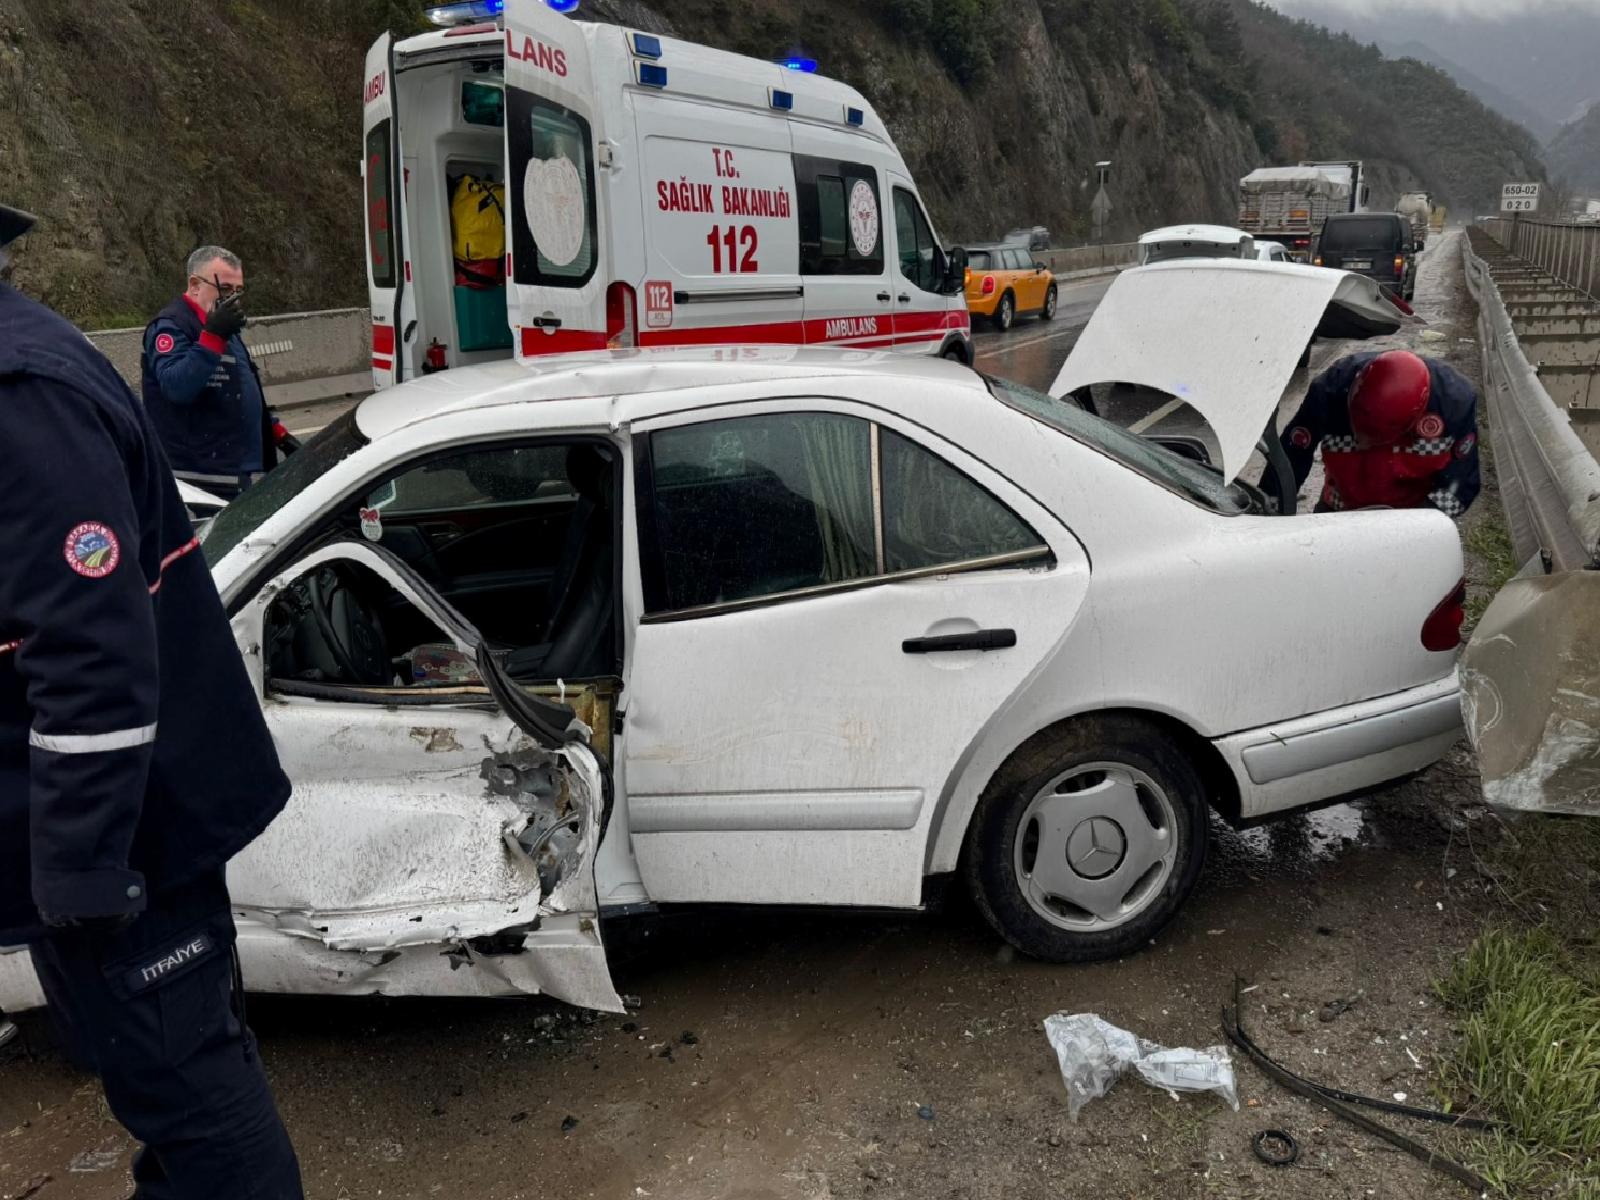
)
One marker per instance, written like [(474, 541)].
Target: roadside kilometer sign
[(1519, 198)]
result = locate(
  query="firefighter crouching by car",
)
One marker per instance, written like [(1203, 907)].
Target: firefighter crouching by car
[(134, 762), (201, 387), (1396, 431)]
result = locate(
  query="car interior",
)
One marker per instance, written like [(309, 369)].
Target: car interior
[(520, 541)]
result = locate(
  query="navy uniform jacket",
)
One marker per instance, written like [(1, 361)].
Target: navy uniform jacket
[(133, 753), (1436, 462), (206, 400)]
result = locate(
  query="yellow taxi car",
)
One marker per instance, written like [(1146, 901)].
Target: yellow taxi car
[(1004, 282)]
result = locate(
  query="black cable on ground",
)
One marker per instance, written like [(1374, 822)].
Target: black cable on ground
[(1232, 1026)]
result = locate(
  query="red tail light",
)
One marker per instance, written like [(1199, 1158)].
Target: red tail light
[(1302, 243), (1399, 266), (622, 320), (1442, 630), (988, 285)]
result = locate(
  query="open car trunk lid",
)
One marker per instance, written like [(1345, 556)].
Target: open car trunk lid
[(1223, 336)]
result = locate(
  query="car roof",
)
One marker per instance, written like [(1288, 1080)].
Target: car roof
[(1220, 234), (1342, 218), (636, 373)]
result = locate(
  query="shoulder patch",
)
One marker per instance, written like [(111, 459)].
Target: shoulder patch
[(1465, 444), (92, 550), (164, 343), (1300, 437), (1430, 425)]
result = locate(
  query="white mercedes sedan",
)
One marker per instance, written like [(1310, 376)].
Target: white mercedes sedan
[(546, 643)]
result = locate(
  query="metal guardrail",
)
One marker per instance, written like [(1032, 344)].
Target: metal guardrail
[(1570, 252), (1549, 481)]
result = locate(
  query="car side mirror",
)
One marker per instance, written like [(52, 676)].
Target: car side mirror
[(955, 270), (1039, 267)]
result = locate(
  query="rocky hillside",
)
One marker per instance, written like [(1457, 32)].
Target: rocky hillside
[(142, 127), (1574, 152)]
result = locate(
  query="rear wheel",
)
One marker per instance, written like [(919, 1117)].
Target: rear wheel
[(1048, 313), (1006, 313), (1088, 840)]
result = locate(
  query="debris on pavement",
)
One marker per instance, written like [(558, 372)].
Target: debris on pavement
[(1275, 1147), (1093, 1054), (1340, 1104), (1332, 1010)]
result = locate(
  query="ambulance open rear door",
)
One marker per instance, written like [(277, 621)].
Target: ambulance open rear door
[(383, 191), (558, 270)]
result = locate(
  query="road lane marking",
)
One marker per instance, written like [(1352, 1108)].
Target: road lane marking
[(1160, 414)]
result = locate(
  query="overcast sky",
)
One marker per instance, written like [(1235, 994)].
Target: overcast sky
[(1476, 8)]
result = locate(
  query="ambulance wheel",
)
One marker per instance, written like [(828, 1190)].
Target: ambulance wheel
[(1006, 313), (1088, 839), (955, 352), (1048, 313)]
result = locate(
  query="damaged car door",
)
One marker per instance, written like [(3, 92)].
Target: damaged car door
[(439, 840)]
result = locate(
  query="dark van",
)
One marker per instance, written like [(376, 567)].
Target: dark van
[(1378, 245)]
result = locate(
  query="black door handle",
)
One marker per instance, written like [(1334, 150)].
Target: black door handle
[(945, 643), (904, 298), (884, 297), (547, 322)]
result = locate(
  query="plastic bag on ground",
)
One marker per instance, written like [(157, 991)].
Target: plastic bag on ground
[(1093, 1054)]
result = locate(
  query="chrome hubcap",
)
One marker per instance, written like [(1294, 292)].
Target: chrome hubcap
[(1095, 847)]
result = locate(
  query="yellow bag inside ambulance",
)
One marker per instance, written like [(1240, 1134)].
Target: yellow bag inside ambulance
[(478, 245)]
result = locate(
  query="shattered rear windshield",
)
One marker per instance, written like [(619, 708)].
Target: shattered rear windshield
[(1190, 479), (281, 484)]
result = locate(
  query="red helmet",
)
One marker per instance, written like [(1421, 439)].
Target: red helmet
[(1389, 394)]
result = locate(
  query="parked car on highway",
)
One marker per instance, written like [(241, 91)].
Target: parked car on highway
[(1036, 238), (541, 644), (1194, 241), (1272, 252), (1004, 282), (1378, 245)]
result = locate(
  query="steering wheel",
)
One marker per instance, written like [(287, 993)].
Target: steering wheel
[(349, 627)]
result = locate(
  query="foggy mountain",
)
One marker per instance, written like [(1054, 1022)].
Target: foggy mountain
[(1543, 60)]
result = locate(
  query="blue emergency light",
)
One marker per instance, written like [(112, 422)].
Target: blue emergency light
[(796, 62), (469, 12), (782, 101), (646, 45), (854, 116)]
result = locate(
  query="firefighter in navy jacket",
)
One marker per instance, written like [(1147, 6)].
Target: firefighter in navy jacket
[(1395, 430), (200, 385), (134, 761)]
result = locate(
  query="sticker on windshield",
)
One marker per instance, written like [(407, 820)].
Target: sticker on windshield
[(553, 206), (864, 218), (371, 524)]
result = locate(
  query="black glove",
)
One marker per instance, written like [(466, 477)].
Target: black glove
[(227, 318)]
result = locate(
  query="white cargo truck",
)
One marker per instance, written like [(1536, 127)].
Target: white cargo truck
[(1290, 204), (1416, 207)]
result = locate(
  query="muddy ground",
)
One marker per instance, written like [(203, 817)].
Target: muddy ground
[(802, 1057)]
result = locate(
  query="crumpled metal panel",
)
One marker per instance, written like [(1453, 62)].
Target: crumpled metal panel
[(1530, 693)]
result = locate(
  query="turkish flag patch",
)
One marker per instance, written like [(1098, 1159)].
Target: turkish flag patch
[(164, 343), (1300, 437)]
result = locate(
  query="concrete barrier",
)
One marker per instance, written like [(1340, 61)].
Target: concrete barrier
[(303, 357), (1089, 258)]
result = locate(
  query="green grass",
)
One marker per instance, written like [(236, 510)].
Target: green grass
[(1488, 540), (1529, 1052)]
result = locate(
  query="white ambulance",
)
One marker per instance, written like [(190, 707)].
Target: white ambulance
[(653, 192)]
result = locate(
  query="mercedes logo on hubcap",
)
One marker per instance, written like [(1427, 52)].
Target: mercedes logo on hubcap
[(1095, 848)]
